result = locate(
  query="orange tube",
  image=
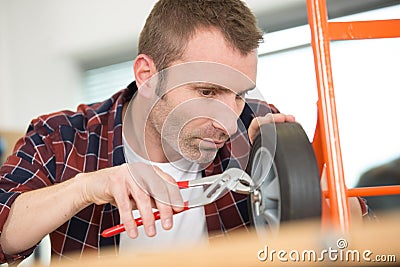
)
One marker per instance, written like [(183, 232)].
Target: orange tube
[(364, 29), (339, 207)]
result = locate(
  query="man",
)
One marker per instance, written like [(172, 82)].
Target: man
[(67, 176)]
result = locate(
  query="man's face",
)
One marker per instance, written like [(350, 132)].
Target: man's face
[(197, 118)]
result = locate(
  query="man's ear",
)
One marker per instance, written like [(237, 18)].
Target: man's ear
[(144, 68)]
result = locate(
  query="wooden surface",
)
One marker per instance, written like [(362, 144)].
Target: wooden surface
[(241, 249)]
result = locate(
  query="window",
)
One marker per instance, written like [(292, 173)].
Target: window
[(101, 83)]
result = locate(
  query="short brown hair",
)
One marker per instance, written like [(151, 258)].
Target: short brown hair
[(172, 23)]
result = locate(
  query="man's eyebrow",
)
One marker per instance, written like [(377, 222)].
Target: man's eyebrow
[(211, 86), (222, 88)]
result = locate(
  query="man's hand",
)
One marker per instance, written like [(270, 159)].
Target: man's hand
[(255, 124), (135, 186)]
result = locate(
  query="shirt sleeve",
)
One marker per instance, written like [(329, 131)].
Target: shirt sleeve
[(30, 167)]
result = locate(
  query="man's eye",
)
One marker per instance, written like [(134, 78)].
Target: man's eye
[(207, 92)]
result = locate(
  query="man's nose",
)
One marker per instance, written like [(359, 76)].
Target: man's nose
[(228, 128), (235, 103), (226, 119)]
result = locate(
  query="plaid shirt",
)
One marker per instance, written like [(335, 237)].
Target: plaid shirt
[(59, 146)]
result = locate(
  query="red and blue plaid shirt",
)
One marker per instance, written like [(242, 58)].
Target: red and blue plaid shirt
[(58, 146)]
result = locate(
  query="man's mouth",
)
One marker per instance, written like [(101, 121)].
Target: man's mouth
[(211, 143)]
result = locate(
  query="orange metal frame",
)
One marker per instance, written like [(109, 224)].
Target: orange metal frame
[(326, 141)]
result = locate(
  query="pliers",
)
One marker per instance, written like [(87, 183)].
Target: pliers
[(232, 179)]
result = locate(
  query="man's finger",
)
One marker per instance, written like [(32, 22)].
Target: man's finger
[(255, 124), (143, 203), (165, 215), (124, 205)]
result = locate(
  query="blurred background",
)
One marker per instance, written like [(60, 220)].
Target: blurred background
[(55, 54)]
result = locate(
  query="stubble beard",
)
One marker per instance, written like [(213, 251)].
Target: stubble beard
[(184, 144)]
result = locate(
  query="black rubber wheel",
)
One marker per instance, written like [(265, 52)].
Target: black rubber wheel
[(283, 158)]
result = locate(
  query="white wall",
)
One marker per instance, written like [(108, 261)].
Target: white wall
[(4, 78), (45, 45)]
